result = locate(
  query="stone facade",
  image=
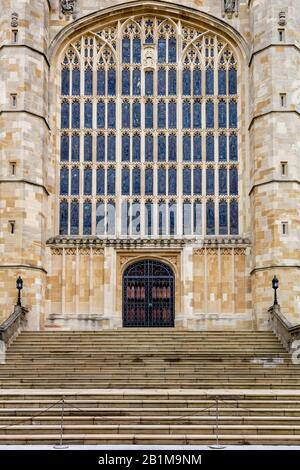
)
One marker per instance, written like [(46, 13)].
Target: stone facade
[(221, 283)]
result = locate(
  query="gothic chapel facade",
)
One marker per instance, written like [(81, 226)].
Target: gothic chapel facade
[(149, 170)]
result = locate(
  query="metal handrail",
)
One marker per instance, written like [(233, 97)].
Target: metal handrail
[(11, 327)]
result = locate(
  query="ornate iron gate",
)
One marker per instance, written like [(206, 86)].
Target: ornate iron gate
[(148, 295)]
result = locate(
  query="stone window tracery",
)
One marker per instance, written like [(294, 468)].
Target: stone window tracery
[(149, 132)]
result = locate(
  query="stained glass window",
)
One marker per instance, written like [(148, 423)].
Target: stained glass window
[(149, 107)]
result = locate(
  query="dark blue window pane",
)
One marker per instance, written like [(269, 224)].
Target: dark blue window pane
[(136, 148), (64, 181), (222, 115), (234, 218), (74, 218), (161, 151), (125, 114), (87, 218), (136, 115), (233, 148), (197, 82), (101, 114), (64, 148), (197, 115), (187, 182), (88, 148), (222, 148), (233, 114), (197, 148), (111, 115), (75, 148), (232, 82), (209, 81), (63, 218), (172, 176), (76, 115), (186, 115), (172, 219), (125, 148), (210, 148), (186, 82), (75, 182), (161, 182), (65, 115), (161, 115), (111, 148), (100, 176), (101, 82), (162, 218), (88, 115), (136, 181), (126, 51), (186, 148), (149, 182), (100, 148), (161, 82), (172, 115), (111, 181), (136, 45), (88, 82), (223, 181), (197, 181), (148, 218), (233, 177), (136, 82), (172, 51), (126, 82), (88, 182), (172, 82), (161, 50), (149, 115), (111, 82), (172, 150), (223, 218), (125, 181), (210, 115), (210, 181), (222, 82), (149, 148), (65, 82), (148, 83), (76, 82), (210, 218)]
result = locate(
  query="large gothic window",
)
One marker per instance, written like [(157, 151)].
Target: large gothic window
[(149, 132)]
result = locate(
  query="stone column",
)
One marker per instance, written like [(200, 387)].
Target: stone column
[(274, 130), (24, 128)]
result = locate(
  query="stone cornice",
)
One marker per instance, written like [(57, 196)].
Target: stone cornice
[(23, 181), (275, 111), (38, 116), (274, 266), (23, 266), (157, 243), (33, 49), (264, 183), (269, 46)]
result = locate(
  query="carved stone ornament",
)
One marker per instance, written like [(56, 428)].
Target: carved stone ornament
[(230, 8), (282, 18), (68, 8), (149, 59), (14, 20)]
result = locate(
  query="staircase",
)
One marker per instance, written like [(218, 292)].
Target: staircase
[(143, 386)]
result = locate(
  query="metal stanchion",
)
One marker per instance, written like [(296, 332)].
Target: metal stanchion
[(61, 446), (217, 446)]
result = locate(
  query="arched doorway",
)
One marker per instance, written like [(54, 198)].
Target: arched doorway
[(148, 295)]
